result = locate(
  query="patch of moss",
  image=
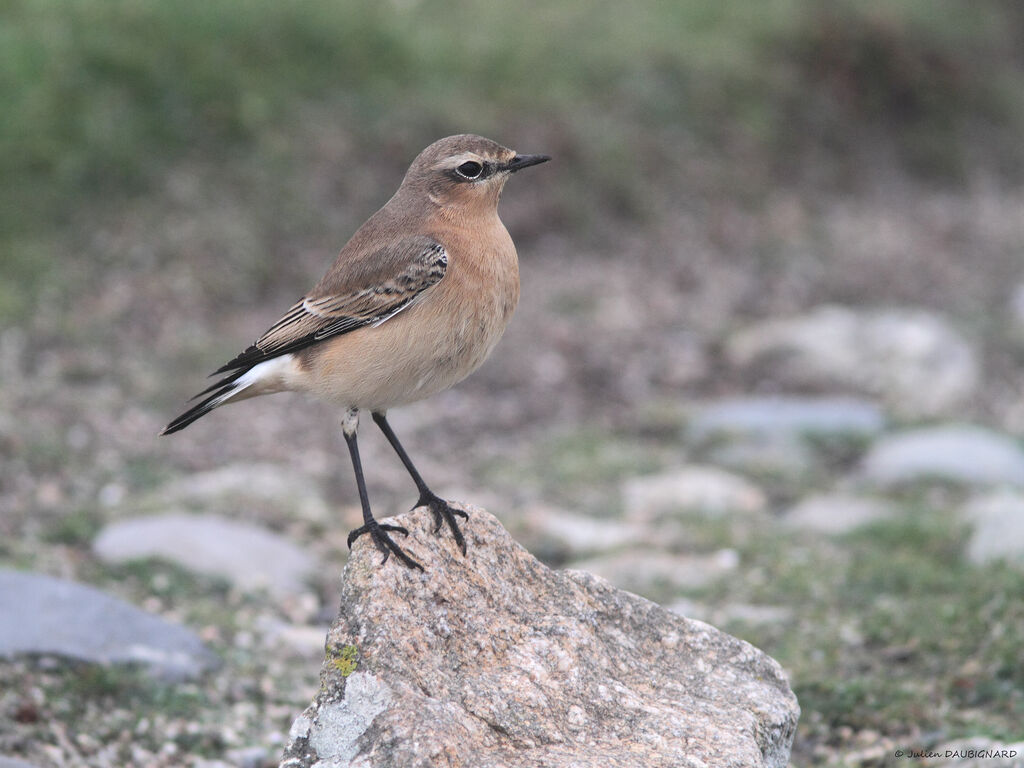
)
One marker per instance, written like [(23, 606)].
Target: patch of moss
[(344, 659)]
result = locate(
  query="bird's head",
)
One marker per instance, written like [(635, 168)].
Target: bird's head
[(465, 172)]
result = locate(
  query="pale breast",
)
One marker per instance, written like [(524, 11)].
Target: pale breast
[(434, 343)]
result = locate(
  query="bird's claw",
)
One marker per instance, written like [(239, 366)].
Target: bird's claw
[(444, 512), (379, 533)]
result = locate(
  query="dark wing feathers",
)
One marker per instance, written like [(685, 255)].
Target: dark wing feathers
[(339, 306)]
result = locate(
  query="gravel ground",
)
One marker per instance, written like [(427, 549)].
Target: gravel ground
[(619, 332)]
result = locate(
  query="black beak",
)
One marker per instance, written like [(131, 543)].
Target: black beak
[(525, 161)]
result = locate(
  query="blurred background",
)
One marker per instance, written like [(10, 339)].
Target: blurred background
[(767, 367)]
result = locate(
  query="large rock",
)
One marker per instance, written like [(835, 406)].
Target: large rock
[(493, 660), (53, 617), (247, 555), (953, 453), (914, 360)]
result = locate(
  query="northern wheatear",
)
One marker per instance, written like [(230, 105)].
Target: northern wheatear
[(415, 302)]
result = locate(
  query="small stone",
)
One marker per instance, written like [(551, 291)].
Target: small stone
[(248, 757), (1016, 307), (706, 490), (300, 640), (953, 453), (493, 659), (914, 360), (997, 521), (775, 456), (567, 534), (646, 572), (835, 514), (14, 762), (246, 555), (259, 484), (730, 612), (47, 616), (787, 416)]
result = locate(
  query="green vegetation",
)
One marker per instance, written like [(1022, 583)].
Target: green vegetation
[(103, 96), (889, 625), (345, 659), (576, 465)]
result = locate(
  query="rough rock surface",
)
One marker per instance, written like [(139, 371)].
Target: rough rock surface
[(47, 616), (494, 660), (247, 555)]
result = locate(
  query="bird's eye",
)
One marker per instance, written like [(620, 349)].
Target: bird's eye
[(470, 169)]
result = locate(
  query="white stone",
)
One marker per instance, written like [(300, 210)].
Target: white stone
[(914, 360), (783, 455), (246, 555), (708, 490), (773, 416), (955, 453), (1017, 308), (836, 513), (722, 614), (47, 616), (643, 571), (997, 520), (268, 483), (575, 534)]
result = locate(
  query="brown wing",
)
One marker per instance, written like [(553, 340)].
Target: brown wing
[(380, 286)]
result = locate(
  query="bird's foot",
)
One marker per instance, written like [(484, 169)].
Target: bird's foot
[(379, 533), (444, 512)]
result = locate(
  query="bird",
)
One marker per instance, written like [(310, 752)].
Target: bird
[(414, 303)]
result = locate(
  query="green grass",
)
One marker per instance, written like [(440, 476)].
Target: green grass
[(894, 633), (582, 467), (102, 96)]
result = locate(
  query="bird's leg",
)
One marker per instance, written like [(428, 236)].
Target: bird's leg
[(378, 532), (441, 509)]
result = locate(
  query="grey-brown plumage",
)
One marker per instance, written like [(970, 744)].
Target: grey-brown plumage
[(414, 303)]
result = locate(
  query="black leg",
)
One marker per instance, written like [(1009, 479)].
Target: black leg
[(377, 531), (441, 509)]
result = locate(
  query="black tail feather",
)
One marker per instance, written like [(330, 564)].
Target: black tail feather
[(231, 378), (202, 408)]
